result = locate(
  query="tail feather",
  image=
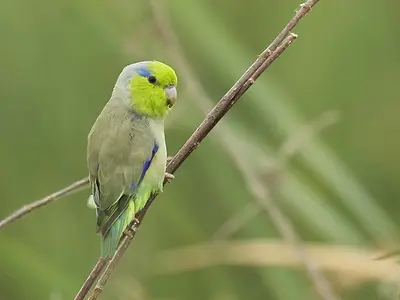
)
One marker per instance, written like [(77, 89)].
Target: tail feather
[(110, 241)]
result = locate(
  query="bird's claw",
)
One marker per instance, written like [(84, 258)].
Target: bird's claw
[(169, 177), (135, 226), (128, 233)]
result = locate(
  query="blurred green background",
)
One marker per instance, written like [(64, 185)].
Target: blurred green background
[(59, 61)]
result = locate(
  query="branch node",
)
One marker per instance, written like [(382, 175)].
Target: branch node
[(305, 6)]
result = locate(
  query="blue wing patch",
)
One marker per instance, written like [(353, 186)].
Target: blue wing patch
[(145, 167)]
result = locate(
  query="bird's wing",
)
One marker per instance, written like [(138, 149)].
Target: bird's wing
[(118, 158)]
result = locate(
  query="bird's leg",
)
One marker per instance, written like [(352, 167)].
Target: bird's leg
[(169, 176), (136, 223), (129, 230)]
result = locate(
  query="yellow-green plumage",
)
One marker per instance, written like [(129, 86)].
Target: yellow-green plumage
[(126, 152)]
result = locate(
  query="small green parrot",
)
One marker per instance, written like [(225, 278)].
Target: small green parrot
[(126, 151)]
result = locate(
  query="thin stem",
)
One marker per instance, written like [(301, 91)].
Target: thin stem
[(74, 187), (91, 279)]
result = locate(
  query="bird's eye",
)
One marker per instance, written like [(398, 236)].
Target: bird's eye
[(152, 79)]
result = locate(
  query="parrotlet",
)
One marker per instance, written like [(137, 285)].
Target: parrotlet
[(126, 150)]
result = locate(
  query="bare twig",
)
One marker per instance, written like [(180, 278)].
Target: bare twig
[(91, 279), (288, 149), (228, 100), (74, 187)]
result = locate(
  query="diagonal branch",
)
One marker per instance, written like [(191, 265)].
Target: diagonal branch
[(94, 274)]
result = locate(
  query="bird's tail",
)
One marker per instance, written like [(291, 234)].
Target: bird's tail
[(110, 241)]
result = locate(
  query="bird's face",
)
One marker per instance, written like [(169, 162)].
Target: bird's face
[(152, 88)]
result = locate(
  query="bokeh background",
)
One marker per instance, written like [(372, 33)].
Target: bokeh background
[(317, 137)]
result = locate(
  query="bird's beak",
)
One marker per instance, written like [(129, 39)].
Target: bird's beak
[(171, 95)]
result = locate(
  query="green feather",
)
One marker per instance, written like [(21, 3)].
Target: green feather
[(110, 240), (150, 99), (113, 233)]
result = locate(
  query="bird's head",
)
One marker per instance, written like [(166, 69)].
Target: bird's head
[(150, 87)]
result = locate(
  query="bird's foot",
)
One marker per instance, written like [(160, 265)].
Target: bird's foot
[(169, 177), (135, 226), (128, 233), (169, 158)]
